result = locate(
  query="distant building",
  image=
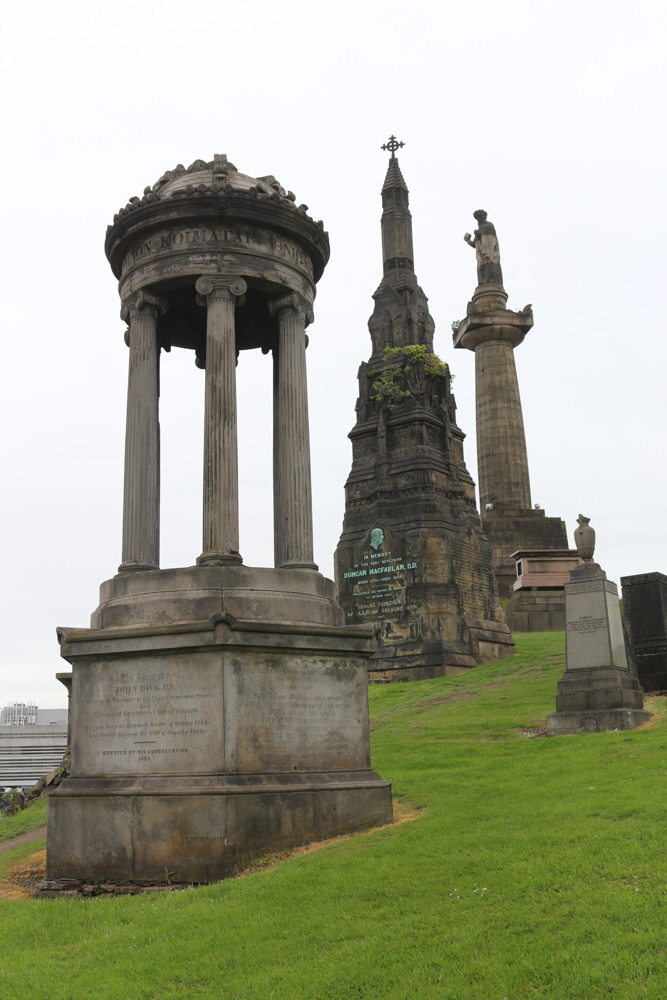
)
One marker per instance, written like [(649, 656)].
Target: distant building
[(32, 742)]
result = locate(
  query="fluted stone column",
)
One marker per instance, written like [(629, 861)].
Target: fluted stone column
[(221, 476), (501, 441), (141, 495), (292, 486), (277, 510)]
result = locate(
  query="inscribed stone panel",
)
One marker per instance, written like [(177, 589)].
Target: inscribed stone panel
[(148, 715), (587, 636), (294, 712)]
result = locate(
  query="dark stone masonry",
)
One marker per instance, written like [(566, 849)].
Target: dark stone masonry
[(412, 555), (645, 607)]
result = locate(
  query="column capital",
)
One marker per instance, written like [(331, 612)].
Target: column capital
[(294, 302), (223, 286), (143, 301)]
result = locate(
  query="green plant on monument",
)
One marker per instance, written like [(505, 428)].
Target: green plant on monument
[(388, 385)]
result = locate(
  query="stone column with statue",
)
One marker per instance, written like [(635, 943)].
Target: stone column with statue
[(216, 708), (492, 332)]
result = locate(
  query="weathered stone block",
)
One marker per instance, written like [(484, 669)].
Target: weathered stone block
[(196, 742), (645, 608), (598, 691)]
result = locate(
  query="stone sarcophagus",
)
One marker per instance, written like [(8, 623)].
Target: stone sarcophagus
[(216, 709)]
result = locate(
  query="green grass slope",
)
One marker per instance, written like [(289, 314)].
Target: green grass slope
[(25, 821), (536, 869)]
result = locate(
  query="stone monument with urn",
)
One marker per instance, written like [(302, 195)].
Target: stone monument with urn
[(216, 708), (598, 690), (412, 555), (492, 332)]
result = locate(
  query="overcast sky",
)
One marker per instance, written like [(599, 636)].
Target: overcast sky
[(549, 115)]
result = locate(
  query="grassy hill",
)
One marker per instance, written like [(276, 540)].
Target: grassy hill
[(536, 868)]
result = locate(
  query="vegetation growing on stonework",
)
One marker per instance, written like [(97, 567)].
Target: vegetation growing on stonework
[(388, 385)]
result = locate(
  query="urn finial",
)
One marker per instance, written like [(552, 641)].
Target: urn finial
[(584, 538)]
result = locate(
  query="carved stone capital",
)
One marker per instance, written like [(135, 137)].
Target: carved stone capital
[(295, 303), (221, 286), (143, 302)]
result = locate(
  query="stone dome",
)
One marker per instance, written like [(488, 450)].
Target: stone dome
[(216, 177)]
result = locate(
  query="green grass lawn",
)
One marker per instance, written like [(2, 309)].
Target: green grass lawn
[(536, 869), (25, 821)]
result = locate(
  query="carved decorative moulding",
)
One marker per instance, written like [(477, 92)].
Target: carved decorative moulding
[(215, 177)]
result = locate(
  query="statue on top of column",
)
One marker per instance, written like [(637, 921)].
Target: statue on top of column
[(485, 244)]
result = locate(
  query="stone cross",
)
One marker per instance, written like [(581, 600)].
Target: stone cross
[(393, 145)]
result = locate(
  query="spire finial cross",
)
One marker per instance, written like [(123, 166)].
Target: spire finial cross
[(393, 145)]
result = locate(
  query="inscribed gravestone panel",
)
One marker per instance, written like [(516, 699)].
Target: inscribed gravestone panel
[(375, 586), (148, 715), (285, 714), (586, 629)]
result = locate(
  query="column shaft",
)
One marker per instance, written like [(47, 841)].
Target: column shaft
[(277, 510), (141, 494), (502, 458), (221, 479), (294, 504)]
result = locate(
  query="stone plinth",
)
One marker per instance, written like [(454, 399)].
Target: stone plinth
[(598, 691), (206, 724), (645, 608), (538, 602)]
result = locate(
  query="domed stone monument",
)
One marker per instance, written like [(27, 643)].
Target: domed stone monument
[(216, 708)]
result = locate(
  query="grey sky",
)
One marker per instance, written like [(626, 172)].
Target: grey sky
[(549, 115)]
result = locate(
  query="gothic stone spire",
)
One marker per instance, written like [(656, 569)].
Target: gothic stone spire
[(401, 316), (397, 250)]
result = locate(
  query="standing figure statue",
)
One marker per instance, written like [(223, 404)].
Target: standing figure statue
[(485, 244)]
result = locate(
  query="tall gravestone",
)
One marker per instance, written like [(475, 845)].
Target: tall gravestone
[(598, 690), (217, 708), (492, 332), (645, 608), (412, 555)]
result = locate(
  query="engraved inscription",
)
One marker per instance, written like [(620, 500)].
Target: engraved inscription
[(378, 585), (212, 238), (148, 717), (586, 624)]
